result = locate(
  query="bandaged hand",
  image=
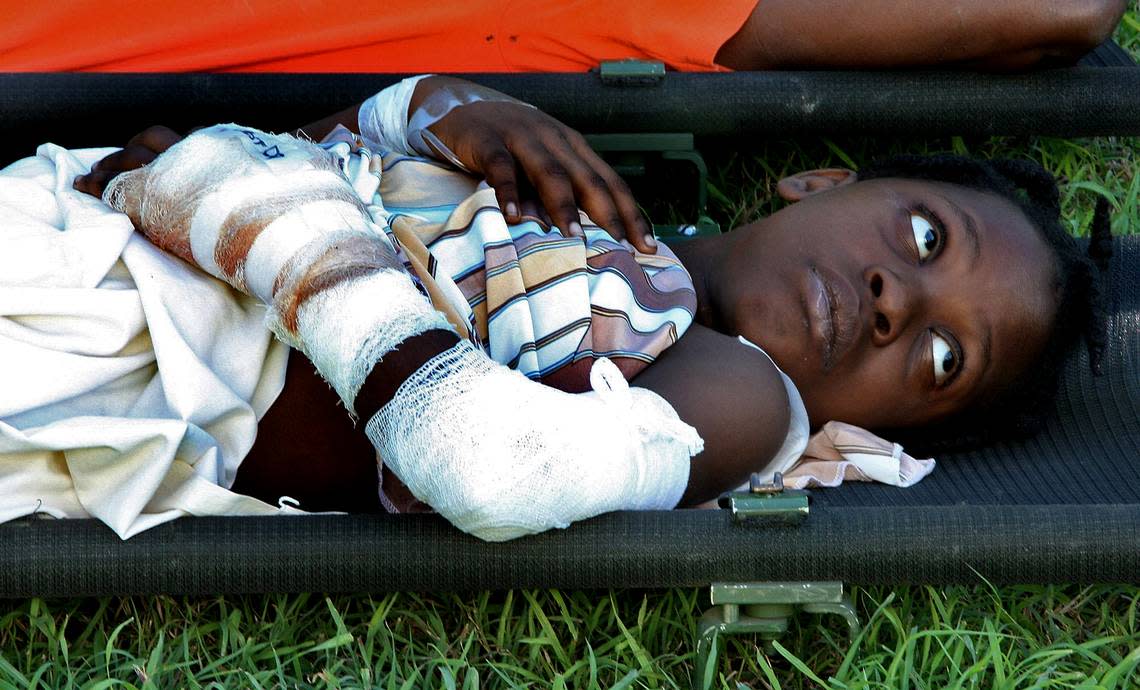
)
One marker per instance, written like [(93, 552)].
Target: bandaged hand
[(511, 144), (501, 456)]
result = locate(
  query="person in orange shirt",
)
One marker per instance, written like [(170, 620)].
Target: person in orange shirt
[(546, 35)]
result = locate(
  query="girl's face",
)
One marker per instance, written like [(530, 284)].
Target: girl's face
[(895, 302)]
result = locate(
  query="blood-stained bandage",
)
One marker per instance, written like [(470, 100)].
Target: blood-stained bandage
[(275, 217)]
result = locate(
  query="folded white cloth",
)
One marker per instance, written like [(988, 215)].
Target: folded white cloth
[(132, 382)]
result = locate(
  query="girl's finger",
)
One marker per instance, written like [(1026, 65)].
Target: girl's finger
[(532, 209), (637, 229), (128, 158), (94, 182), (552, 182), (590, 190), (498, 165)]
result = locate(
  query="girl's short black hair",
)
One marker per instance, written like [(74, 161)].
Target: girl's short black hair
[(1023, 405)]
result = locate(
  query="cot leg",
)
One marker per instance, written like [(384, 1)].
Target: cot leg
[(762, 608)]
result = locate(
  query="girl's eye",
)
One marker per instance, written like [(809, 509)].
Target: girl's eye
[(945, 359), (927, 237)]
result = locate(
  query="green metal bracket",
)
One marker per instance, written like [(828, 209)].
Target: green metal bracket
[(691, 156), (673, 234), (629, 155), (767, 502), (763, 608), (632, 72), (643, 141)]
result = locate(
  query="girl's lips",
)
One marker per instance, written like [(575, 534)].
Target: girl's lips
[(818, 302), (833, 314)]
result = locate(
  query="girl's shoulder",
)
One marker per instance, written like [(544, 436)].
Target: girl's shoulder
[(736, 398)]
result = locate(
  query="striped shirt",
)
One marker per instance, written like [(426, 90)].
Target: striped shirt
[(543, 304)]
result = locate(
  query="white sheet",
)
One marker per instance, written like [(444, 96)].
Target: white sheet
[(89, 311)]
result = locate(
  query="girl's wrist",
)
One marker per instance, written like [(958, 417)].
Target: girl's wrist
[(396, 366)]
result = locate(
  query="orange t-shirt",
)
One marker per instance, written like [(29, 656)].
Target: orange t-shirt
[(360, 36)]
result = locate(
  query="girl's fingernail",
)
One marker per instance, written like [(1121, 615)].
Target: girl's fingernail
[(576, 229), (650, 240), (512, 209)]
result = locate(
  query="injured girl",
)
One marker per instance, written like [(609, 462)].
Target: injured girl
[(484, 352)]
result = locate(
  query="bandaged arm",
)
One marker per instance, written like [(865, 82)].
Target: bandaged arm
[(495, 453)]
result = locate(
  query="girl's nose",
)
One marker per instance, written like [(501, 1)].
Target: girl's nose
[(894, 301)]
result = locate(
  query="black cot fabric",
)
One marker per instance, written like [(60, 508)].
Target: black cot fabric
[(78, 110), (205, 556), (1108, 54), (1060, 508)]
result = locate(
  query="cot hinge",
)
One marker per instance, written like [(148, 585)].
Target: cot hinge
[(635, 156), (767, 502), (632, 72), (763, 608)]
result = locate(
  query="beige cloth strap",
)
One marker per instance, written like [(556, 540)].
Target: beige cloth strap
[(420, 257), (840, 452)]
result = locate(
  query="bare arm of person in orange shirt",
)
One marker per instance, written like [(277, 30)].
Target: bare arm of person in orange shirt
[(986, 34)]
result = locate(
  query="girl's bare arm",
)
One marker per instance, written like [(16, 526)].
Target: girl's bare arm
[(735, 398)]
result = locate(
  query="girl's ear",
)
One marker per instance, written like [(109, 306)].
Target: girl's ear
[(802, 185)]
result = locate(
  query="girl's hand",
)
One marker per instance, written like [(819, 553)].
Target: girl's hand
[(501, 139), (143, 148), (494, 139)]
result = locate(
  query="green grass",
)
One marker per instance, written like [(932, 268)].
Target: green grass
[(1086, 169), (919, 637), (914, 637)]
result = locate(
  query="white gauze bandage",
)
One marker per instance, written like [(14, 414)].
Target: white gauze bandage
[(276, 218), (386, 124), (501, 456)]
